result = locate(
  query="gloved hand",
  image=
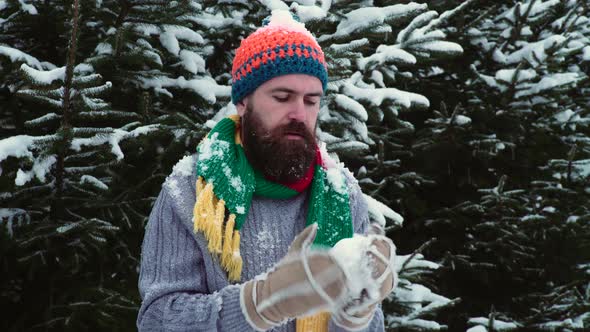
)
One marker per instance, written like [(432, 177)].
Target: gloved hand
[(304, 282), (356, 313)]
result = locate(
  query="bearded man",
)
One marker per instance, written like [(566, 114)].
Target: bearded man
[(252, 236)]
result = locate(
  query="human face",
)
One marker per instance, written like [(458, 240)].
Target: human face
[(284, 152), (284, 99)]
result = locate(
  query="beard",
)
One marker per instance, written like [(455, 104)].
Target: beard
[(271, 152)]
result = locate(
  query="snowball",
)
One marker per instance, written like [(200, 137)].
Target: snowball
[(351, 255)]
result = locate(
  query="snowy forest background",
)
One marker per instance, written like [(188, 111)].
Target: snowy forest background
[(468, 118)]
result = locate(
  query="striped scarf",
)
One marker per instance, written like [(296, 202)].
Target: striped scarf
[(225, 187)]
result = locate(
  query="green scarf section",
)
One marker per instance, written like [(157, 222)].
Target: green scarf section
[(223, 163)]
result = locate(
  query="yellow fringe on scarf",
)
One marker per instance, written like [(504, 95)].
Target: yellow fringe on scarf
[(208, 216), (316, 323)]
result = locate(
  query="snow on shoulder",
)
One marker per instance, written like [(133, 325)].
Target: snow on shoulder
[(184, 167), (334, 171)]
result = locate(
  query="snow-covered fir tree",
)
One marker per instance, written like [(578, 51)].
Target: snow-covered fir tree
[(515, 252), (60, 249), (25, 34)]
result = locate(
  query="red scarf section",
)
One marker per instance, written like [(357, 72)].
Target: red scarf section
[(304, 183)]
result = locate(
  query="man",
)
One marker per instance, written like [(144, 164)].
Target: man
[(227, 248)]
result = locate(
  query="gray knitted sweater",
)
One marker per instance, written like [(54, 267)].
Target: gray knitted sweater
[(183, 287)]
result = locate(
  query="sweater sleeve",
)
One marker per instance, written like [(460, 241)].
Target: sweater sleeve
[(173, 284)]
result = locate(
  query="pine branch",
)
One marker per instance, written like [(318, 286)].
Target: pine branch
[(416, 252)]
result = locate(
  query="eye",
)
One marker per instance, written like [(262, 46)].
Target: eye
[(311, 102), (281, 98)]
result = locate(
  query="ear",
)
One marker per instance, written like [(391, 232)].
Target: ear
[(241, 106)]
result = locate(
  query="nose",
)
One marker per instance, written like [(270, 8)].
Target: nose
[(297, 110)]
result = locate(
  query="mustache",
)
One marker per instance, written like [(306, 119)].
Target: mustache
[(293, 127)]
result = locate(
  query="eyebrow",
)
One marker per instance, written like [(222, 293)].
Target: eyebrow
[(287, 90)]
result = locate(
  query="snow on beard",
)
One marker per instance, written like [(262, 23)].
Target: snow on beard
[(278, 158)]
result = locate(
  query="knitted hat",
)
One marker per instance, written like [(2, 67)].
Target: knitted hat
[(281, 47)]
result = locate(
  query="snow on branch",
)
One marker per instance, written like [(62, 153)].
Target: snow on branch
[(413, 28), (350, 46), (22, 146), (42, 119), (16, 146), (365, 18), (17, 55), (27, 7), (215, 22), (9, 215), (274, 4), (444, 17), (377, 96), (532, 8), (96, 90), (94, 182), (386, 54), (43, 76), (114, 138), (206, 87), (481, 324), (41, 167), (419, 37), (352, 106), (192, 62), (414, 296), (311, 12), (379, 211), (536, 52)]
